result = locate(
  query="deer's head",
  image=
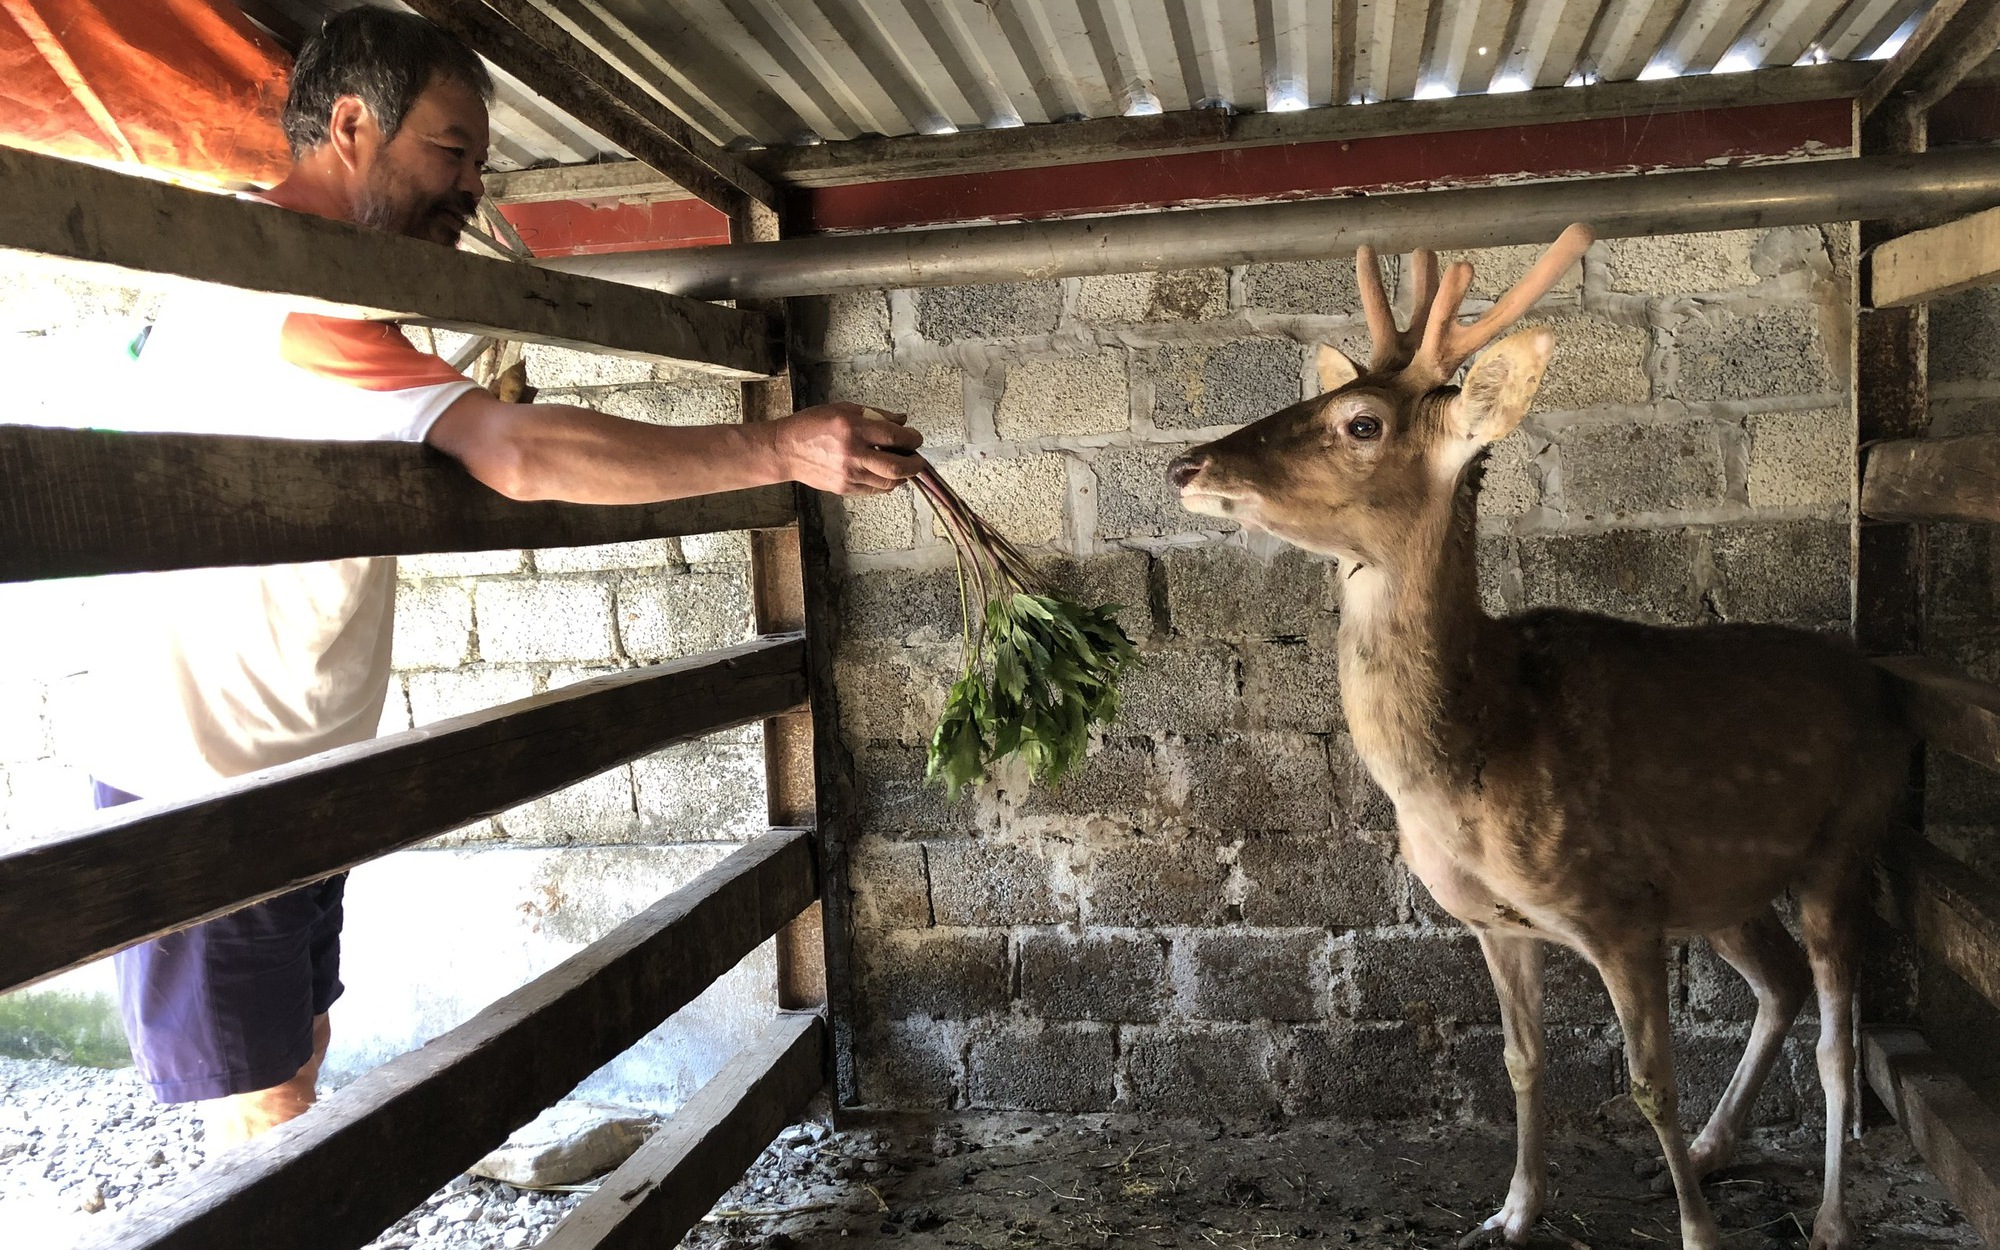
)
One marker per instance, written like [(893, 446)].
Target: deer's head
[(1350, 471)]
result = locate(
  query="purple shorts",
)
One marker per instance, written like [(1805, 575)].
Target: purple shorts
[(226, 1006)]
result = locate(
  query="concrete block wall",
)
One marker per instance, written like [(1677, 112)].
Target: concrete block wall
[(1211, 917)]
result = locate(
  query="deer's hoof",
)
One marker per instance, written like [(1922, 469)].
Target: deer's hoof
[(1509, 1225), (1831, 1231), (1706, 1155)]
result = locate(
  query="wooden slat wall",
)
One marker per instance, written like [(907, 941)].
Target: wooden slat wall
[(1933, 479), (1957, 1134), (148, 868), (78, 212), (175, 501), (1930, 264), (1954, 711), (373, 1150)]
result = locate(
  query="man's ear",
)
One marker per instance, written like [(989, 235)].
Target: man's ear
[(351, 131), (1501, 384), (1335, 369)]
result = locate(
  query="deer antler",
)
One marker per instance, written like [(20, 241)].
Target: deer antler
[(1434, 342)]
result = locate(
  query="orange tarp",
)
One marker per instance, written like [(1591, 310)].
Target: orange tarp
[(188, 87)]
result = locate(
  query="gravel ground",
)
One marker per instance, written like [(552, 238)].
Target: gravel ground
[(78, 1143)]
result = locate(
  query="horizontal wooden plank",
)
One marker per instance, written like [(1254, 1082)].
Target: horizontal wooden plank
[(1952, 911), (662, 1191), (1952, 1128), (1953, 710), (148, 868), (81, 213), (1933, 479), (335, 1177), (1928, 264), (74, 503)]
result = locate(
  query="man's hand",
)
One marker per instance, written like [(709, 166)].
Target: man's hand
[(847, 449)]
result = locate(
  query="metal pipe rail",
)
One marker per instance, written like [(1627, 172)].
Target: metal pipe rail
[(1864, 188)]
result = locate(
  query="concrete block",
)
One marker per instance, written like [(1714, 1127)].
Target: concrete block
[(39, 296), (1716, 992), (1572, 992), (24, 722), (1134, 500), (1509, 485), (1196, 385), (1332, 881), (893, 798), (1324, 287), (1583, 1071), (1065, 397), (433, 625), (1291, 685), (1190, 689), (1780, 352), (1146, 880), (933, 399), (1644, 575), (1703, 1064), (457, 692), (1219, 1070), (1119, 578), (878, 522), (1096, 977), (678, 403), (1261, 975), (1495, 270), (544, 621), (1965, 336), (461, 564), (702, 551), (857, 324), (1965, 574), (1022, 498), (1120, 779), (591, 812), (953, 314), (1223, 591), (1793, 573), (988, 884), (890, 883), (1615, 470), (647, 553), (1029, 1066), (559, 368), (1270, 781), (1423, 977), (946, 974), (1678, 264), (1364, 1071), (666, 617), (704, 791), (1363, 805), (1801, 459), (883, 695), (909, 1066), (1597, 364), (1182, 295), (919, 606)]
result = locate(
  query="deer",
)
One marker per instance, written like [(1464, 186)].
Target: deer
[(1563, 777)]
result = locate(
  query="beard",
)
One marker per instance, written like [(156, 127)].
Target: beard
[(384, 205)]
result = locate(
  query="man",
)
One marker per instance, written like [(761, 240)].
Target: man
[(231, 670)]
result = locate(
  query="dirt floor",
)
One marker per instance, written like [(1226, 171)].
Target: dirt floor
[(1112, 1181)]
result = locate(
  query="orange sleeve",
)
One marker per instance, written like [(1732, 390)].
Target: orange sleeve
[(372, 355)]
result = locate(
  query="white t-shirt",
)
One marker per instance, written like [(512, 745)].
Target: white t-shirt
[(214, 673)]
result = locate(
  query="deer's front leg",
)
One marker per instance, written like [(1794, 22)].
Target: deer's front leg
[(1634, 968), (1516, 964)]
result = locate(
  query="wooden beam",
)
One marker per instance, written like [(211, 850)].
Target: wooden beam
[(178, 501), (527, 43), (850, 162), (1952, 1128), (662, 1191), (76, 212), (1950, 41), (1954, 711), (149, 868), (1952, 911), (333, 1179), (1930, 264), (1933, 479)]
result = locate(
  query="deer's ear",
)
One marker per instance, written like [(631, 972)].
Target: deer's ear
[(1335, 369), (1501, 384)]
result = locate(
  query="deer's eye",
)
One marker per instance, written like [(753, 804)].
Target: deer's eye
[(1364, 428)]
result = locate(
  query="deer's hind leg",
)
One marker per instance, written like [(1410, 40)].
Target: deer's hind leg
[(1516, 964), (1771, 962), (1828, 917)]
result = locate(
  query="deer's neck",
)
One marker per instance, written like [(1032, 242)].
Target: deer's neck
[(1411, 636)]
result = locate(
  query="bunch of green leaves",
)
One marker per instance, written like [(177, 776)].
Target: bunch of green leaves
[(1040, 668)]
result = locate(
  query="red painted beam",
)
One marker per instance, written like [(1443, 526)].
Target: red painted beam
[(590, 227)]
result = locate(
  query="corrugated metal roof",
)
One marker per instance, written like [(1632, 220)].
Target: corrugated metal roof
[(772, 72)]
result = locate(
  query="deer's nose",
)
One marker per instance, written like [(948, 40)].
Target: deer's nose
[(1185, 469)]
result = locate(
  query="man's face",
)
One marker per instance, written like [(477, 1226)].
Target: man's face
[(425, 181)]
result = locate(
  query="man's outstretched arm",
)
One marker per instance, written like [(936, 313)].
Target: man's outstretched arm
[(557, 451)]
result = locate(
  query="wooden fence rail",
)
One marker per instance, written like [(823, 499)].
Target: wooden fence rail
[(176, 501), (149, 868), (375, 1149), (1955, 1132), (75, 212), (1933, 479)]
